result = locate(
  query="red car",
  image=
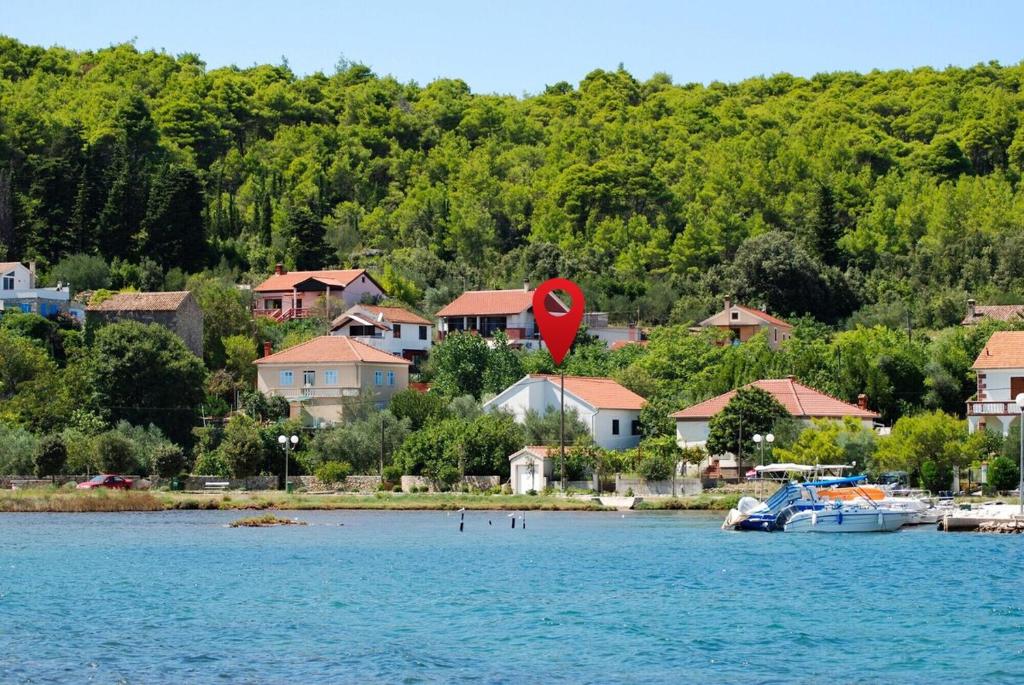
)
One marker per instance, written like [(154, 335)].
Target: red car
[(107, 481)]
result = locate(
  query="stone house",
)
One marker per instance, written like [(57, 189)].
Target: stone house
[(176, 311)]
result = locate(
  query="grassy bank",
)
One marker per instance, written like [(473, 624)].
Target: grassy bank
[(52, 499), (703, 502)]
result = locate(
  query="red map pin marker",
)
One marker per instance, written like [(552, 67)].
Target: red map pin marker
[(558, 331)]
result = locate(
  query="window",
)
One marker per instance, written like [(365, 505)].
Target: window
[(9, 281), (735, 316), (361, 331), (378, 378), (455, 323), (489, 325), (285, 378), (423, 332), (391, 377), (615, 426), (330, 377), (397, 330), (308, 378), (635, 427), (775, 332), (26, 308)]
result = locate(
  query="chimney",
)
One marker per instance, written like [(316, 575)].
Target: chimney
[(279, 269), (764, 307), (526, 285), (862, 401), (728, 303), (268, 349), (31, 275), (970, 309)]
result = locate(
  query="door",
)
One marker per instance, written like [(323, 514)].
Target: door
[(525, 480), (1016, 386)]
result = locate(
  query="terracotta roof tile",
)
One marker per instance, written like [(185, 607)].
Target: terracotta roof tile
[(1004, 350), (286, 281), (798, 399), (495, 302), (142, 302), (764, 315), (392, 314), (600, 393), (330, 349), (5, 266), (1000, 312), (619, 344)]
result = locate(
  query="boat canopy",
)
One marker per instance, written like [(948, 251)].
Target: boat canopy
[(783, 468), (849, 480)]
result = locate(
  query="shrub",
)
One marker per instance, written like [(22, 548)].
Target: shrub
[(936, 478), (397, 488), (1003, 474), (210, 464), (50, 457), (392, 474), (168, 460), (333, 472), (115, 453)]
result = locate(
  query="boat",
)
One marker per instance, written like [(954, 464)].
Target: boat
[(832, 505)]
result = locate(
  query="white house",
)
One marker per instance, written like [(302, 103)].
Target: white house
[(390, 329), (614, 337), (1000, 371), (804, 403), (488, 311), (294, 294), (610, 411), (18, 291), (532, 468)]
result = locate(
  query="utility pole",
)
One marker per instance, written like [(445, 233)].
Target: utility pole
[(561, 429), (382, 445)]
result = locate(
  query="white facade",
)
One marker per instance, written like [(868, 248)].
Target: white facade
[(15, 276), (694, 432), (614, 429), (996, 406), (530, 470), (402, 339), (18, 292)]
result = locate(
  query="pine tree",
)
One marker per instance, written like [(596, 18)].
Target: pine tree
[(175, 234)]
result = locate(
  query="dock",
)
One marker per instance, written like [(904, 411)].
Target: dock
[(988, 518)]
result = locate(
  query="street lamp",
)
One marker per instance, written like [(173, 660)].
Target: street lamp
[(1020, 484), (760, 441), (287, 444)]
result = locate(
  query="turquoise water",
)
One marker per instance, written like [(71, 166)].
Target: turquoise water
[(402, 597)]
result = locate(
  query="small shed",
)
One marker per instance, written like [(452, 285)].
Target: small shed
[(531, 468)]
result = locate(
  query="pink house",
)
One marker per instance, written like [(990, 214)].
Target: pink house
[(291, 294)]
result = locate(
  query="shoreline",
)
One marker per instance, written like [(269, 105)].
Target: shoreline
[(48, 500)]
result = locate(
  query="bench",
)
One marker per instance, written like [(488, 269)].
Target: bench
[(219, 485)]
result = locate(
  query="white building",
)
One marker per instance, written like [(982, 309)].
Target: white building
[(389, 329), (610, 411), (532, 468), (614, 337), (804, 403), (488, 311), (1000, 372), (18, 291)]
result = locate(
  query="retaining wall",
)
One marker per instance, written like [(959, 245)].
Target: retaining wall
[(474, 482), (646, 488)]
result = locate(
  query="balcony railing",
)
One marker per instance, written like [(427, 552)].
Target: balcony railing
[(329, 392), (282, 314), (992, 408)]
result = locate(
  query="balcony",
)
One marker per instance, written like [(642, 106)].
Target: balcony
[(312, 392), (992, 408), (282, 314)]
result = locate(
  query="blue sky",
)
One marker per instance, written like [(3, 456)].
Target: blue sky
[(519, 46)]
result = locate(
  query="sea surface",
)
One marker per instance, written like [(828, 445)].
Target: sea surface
[(403, 597)]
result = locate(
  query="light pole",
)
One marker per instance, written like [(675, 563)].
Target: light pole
[(286, 444), (1020, 484), (760, 441)]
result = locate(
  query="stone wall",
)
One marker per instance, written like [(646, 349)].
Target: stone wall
[(474, 483), (647, 488), (30, 481), (351, 484), (199, 482)]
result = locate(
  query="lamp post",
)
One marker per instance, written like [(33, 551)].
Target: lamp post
[(286, 444), (760, 440), (1020, 484)]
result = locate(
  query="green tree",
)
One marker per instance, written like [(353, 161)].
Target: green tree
[(239, 355), (243, 449), (419, 408), (174, 231), (82, 272), (168, 460), (115, 453), (459, 364), (144, 374), (503, 367), (933, 438), (1003, 474), (50, 457)]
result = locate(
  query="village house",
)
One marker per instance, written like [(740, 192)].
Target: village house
[(1000, 312), (293, 294), (745, 322), (610, 412), (804, 403), (390, 329), (614, 337), (321, 376), (532, 468), (176, 311), (1000, 374), (488, 311), (19, 291)]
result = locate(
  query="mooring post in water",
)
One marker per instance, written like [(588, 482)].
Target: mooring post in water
[(524, 520), (462, 519)]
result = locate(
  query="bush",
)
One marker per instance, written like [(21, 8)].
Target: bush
[(51, 456), (1003, 474), (211, 464), (168, 460), (936, 478), (392, 474), (333, 472), (115, 453), (397, 488)]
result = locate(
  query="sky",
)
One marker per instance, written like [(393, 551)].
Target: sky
[(520, 46)]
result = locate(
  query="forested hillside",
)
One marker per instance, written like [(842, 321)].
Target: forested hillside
[(846, 194)]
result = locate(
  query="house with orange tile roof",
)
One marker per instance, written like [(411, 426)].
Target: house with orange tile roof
[(803, 402), (293, 294), (487, 311), (1000, 374), (977, 313), (390, 329), (610, 412), (745, 322), (323, 376)]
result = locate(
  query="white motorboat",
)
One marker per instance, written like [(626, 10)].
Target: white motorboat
[(844, 517)]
